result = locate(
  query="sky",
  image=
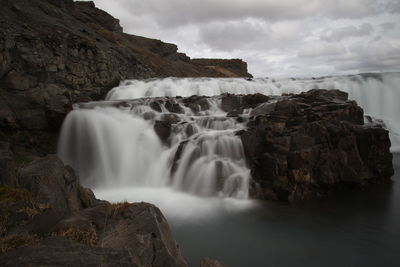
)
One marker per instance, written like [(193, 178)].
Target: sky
[(290, 38)]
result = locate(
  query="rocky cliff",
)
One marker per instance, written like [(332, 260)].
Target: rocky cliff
[(54, 53), (49, 219)]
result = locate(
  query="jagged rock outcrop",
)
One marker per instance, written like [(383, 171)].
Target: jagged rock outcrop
[(54, 53), (44, 199), (307, 145)]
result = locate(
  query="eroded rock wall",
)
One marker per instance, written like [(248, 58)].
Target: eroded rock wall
[(54, 53)]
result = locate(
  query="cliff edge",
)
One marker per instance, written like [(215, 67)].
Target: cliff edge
[(54, 53)]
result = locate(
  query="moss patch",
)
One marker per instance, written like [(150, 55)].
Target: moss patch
[(15, 241), (10, 194)]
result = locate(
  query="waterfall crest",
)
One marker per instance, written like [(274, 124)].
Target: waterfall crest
[(377, 93)]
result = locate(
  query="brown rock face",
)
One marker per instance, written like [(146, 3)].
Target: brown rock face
[(226, 67), (45, 199), (139, 228), (63, 252), (306, 145), (54, 53)]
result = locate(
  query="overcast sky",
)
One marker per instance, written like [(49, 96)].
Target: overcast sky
[(275, 37)]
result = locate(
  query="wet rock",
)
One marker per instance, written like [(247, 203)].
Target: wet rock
[(162, 129), (139, 228), (263, 109), (230, 102), (173, 107), (211, 263), (196, 103), (253, 100), (308, 145)]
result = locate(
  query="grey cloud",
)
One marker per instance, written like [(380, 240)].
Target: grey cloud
[(285, 37), (388, 26), (177, 12), (232, 35), (338, 34), (322, 49)]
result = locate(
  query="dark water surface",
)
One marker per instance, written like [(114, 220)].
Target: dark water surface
[(354, 229)]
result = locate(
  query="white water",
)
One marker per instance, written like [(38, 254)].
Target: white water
[(116, 151), (118, 148), (377, 94)]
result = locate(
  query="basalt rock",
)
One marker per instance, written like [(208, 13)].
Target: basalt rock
[(308, 145), (44, 199), (58, 251), (140, 228)]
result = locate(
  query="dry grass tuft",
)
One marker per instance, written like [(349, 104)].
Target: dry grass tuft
[(85, 236)]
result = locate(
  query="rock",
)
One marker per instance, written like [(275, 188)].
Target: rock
[(162, 129), (7, 165), (197, 103), (173, 107), (56, 251), (263, 109), (15, 80), (211, 263), (308, 145), (51, 182), (230, 102), (139, 228), (224, 66), (253, 100)]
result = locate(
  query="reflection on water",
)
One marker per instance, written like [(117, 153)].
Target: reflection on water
[(353, 229)]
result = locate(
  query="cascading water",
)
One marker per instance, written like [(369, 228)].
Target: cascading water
[(378, 94), (196, 174), (117, 148)]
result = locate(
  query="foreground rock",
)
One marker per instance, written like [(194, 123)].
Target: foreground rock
[(49, 219), (308, 145), (54, 53)]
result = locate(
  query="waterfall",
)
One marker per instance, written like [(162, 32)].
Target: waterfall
[(140, 137), (377, 93), (115, 144)]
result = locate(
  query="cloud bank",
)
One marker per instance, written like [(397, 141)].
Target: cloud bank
[(276, 38)]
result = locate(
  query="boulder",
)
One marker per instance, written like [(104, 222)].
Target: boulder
[(49, 181), (162, 129), (140, 228), (311, 144)]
